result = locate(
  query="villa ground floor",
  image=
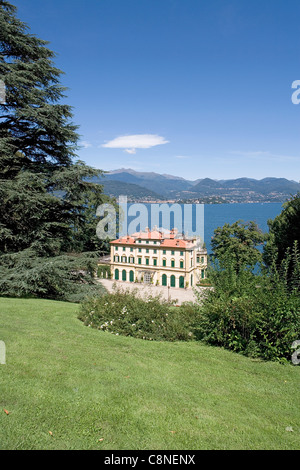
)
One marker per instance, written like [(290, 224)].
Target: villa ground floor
[(158, 277)]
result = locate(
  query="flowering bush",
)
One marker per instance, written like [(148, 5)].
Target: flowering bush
[(124, 312)]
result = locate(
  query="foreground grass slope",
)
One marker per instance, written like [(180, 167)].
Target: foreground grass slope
[(67, 386)]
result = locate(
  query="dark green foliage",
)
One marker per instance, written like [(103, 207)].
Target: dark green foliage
[(104, 271), (48, 204), (254, 314), (65, 277), (124, 312), (238, 242), (284, 231)]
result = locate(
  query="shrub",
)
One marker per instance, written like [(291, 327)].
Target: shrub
[(254, 314), (126, 313), (65, 277)]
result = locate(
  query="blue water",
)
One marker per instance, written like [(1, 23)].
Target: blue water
[(216, 215)]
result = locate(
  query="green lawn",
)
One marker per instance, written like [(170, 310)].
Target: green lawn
[(67, 386)]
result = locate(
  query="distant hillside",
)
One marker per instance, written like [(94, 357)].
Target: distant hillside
[(166, 185), (248, 189), (161, 186), (134, 192)]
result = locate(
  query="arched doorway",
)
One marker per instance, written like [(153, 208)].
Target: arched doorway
[(124, 275), (173, 281), (131, 276), (181, 282), (116, 274), (164, 280)]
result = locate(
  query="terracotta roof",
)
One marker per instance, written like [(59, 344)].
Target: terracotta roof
[(125, 240), (154, 235), (176, 243), (167, 238)]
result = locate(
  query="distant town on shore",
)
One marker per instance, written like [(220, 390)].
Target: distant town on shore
[(158, 188)]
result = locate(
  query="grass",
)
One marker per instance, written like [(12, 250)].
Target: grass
[(67, 386)]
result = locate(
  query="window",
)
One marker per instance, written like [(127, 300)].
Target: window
[(147, 241), (117, 258), (116, 248), (173, 281), (140, 250), (124, 275), (131, 249), (116, 274), (154, 261), (147, 261), (139, 260), (181, 264), (202, 259), (131, 276), (155, 251), (124, 259), (172, 263), (154, 242), (147, 250), (181, 253), (164, 252), (131, 260), (172, 252), (202, 273), (198, 259), (123, 248), (181, 282), (164, 280), (164, 262)]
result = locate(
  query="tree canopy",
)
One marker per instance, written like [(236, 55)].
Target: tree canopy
[(48, 204), (238, 243)]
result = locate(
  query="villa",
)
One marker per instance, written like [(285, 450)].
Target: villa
[(159, 257)]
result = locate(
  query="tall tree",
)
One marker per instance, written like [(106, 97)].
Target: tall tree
[(238, 244), (44, 190), (281, 251), (284, 231)]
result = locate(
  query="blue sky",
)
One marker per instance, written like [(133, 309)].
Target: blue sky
[(193, 88)]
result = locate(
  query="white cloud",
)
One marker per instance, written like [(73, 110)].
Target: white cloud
[(132, 142), (182, 157), (85, 144)]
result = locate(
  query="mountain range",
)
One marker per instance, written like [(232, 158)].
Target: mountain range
[(159, 187)]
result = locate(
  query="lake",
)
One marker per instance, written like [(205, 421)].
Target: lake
[(215, 215)]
